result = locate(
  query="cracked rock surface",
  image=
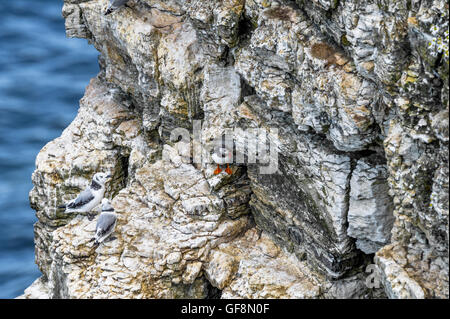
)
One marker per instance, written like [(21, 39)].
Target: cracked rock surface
[(360, 109)]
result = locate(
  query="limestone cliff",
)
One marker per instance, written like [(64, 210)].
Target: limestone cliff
[(357, 92)]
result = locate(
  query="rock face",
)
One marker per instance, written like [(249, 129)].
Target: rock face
[(336, 113), (370, 215)]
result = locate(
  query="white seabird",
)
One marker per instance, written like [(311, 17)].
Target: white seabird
[(106, 222), (114, 5), (88, 199), (220, 157)]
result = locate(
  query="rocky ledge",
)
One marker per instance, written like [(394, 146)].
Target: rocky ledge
[(352, 103)]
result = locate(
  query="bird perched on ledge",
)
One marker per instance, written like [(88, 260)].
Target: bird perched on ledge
[(105, 224), (90, 197), (114, 5), (223, 156)]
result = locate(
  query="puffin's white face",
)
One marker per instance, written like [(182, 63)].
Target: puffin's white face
[(101, 178)]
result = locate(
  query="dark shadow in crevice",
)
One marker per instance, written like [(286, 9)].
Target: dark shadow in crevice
[(245, 29), (120, 177), (227, 58), (246, 90), (124, 163), (212, 292)]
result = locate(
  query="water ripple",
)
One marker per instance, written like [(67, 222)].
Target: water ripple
[(42, 77)]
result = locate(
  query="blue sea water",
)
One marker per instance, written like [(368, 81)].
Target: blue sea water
[(43, 75)]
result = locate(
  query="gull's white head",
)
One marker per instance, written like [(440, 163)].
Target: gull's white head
[(106, 205), (101, 178)]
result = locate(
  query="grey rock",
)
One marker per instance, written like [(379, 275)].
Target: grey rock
[(370, 215)]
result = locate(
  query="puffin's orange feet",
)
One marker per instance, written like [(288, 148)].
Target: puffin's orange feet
[(228, 170), (218, 170)]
